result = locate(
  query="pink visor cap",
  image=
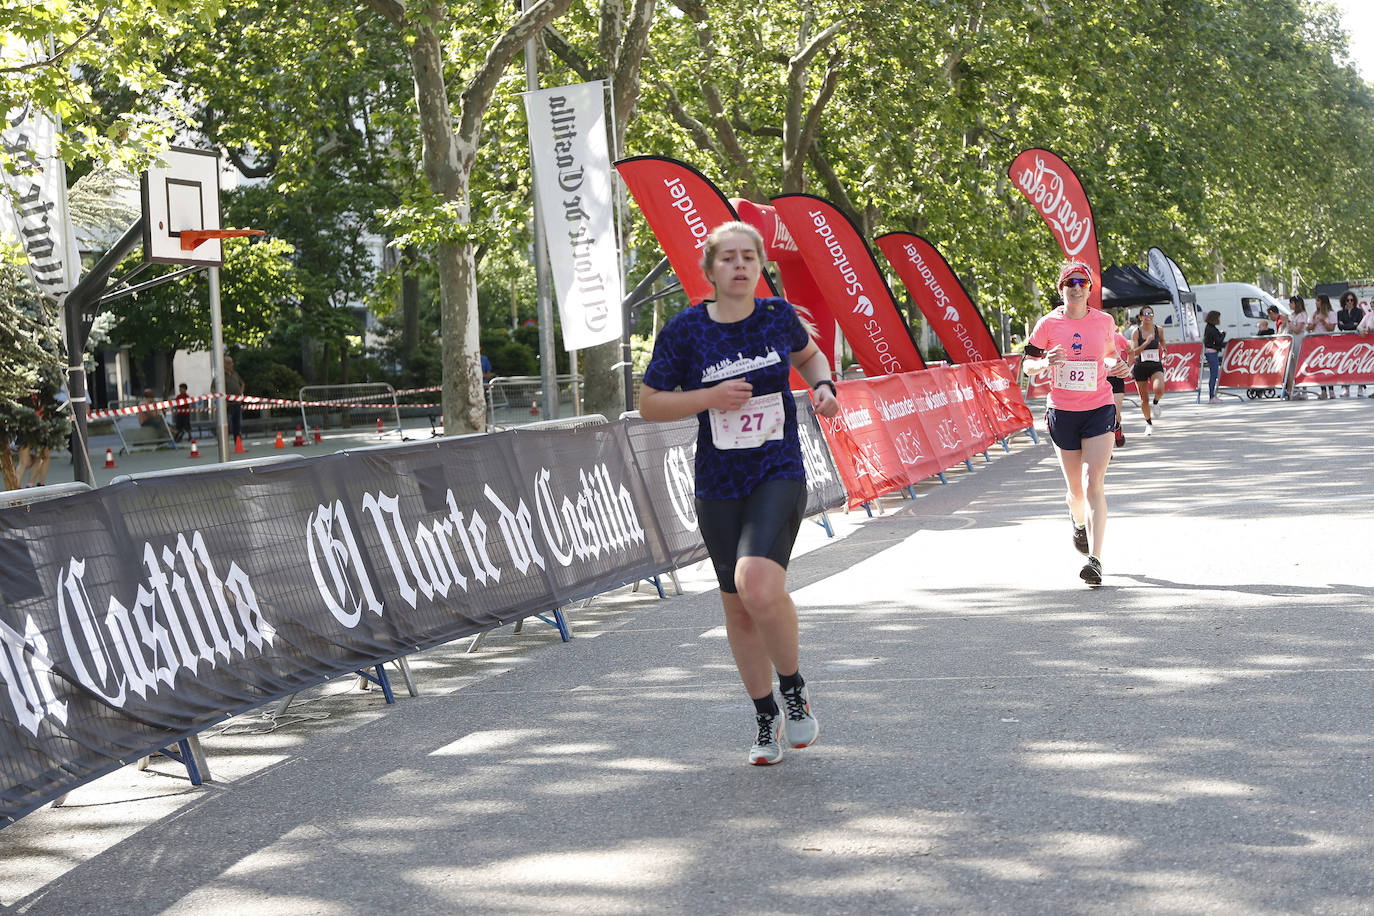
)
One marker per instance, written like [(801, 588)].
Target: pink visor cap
[(1081, 271)]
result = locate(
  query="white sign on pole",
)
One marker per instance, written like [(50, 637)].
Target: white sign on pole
[(34, 211), (572, 172)]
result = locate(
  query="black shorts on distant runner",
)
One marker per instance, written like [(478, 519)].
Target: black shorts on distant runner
[(1143, 372), (1068, 428), (762, 524), (1118, 384)]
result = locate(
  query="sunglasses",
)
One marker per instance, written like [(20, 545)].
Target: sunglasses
[(1077, 281), (1147, 314)]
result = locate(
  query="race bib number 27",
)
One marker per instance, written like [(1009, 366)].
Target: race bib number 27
[(760, 420)]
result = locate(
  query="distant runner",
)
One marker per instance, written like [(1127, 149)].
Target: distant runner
[(1078, 344), (1147, 346)]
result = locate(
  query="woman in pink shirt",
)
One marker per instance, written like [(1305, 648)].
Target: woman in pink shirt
[(1078, 345)]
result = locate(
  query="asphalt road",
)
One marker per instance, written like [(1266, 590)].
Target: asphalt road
[(1193, 736)]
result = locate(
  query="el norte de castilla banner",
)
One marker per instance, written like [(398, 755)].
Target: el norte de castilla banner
[(142, 612)]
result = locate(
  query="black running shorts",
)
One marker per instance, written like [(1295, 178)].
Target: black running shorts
[(1068, 428), (762, 524), (1143, 372), (1118, 384)]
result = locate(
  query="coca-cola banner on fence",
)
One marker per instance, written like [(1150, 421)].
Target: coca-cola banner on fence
[(1058, 196), (1183, 366), (1255, 362), (1038, 385), (1335, 359)]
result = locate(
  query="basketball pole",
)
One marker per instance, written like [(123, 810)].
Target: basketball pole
[(217, 367)]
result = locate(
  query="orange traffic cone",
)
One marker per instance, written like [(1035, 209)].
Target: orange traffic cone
[(318, 437), (238, 445), (109, 458), (300, 437), (379, 427), (195, 450), (279, 443)]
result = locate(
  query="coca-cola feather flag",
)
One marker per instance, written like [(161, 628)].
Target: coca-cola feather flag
[(852, 284), (1057, 195), (940, 296)]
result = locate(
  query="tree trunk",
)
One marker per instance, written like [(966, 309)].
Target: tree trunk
[(410, 306), (464, 408), (7, 466)]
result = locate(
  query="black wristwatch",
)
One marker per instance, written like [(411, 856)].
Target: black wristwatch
[(825, 381)]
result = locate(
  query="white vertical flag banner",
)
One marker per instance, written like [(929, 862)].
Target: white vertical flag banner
[(33, 211), (572, 172), (1163, 269)]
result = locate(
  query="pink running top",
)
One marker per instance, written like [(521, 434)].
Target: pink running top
[(1085, 341)]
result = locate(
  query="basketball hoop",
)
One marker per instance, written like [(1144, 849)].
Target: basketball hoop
[(191, 238)]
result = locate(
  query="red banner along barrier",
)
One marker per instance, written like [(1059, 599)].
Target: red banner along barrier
[(1335, 359), (1255, 362)]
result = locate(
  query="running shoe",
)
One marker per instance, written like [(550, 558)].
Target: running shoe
[(767, 749), (1080, 537), (799, 726), (1120, 437), (1157, 410), (1091, 572), (1149, 428)]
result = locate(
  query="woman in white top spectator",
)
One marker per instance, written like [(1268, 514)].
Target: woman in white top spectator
[(1323, 322), (1297, 327)]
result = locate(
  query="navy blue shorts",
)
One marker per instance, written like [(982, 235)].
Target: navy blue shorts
[(1068, 428), (762, 524)]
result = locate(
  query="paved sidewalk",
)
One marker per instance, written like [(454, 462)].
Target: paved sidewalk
[(1194, 736)]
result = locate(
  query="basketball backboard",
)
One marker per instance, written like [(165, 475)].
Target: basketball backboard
[(182, 195)]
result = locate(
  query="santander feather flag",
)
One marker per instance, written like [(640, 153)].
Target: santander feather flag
[(852, 284), (797, 283), (682, 207), (940, 296), (1058, 196)]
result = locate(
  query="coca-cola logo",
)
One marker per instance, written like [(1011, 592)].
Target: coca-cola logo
[(1045, 188), (1255, 357), (1355, 360), (1176, 366)]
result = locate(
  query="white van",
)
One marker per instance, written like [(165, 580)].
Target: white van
[(1241, 305)]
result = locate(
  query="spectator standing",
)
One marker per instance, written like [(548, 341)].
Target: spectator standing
[(1213, 340), (1323, 322), (1276, 319), (233, 385), (1297, 327), (1348, 319), (1263, 329), (181, 411)]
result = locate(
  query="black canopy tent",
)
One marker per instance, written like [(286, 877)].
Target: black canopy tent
[(1129, 286)]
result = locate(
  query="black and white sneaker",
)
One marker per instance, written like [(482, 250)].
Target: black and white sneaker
[(1080, 537), (1091, 572), (767, 749), (800, 727)]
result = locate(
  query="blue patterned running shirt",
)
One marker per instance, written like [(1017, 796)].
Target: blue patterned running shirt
[(695, 351)]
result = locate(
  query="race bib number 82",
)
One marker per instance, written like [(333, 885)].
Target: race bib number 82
[(1076, 375)]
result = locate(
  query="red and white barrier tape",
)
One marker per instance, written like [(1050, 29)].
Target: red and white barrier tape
[(249, 400)]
